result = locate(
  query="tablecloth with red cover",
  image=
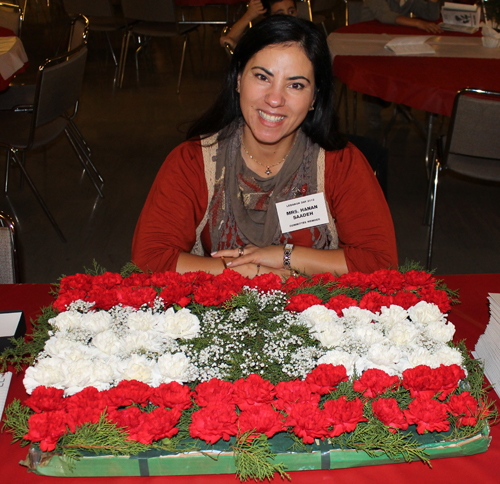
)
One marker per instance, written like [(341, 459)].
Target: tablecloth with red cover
[(4, 83), (470, 318), (425, 83)]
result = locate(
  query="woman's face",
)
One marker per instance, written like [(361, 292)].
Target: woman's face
[(276, 92)]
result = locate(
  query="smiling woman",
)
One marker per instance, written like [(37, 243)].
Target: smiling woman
[(265, 182)]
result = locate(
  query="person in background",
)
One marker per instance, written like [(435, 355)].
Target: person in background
[(398, 12), (256, 9), (271, 136)]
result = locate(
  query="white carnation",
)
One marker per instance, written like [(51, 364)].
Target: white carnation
[(179, 325), (440, 331), (318, 315), (108, 342), (337, 357), (67, 321), (362, 316), (142, 341), (424, 313), (368, 334), (448, 356), (97, 321), (174, 367), (421, 356), (141, 320), (137, 367), (403, 334), (384, 355), (328, 333), (389, 316), (47, 372), (60, 346)]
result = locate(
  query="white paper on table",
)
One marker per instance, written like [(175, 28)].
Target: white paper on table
[(412, 45)]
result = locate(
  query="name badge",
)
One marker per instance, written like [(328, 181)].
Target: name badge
[(303, 212)]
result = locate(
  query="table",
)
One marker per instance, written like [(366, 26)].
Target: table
[(470, 319), (12, 57), (424, 83)]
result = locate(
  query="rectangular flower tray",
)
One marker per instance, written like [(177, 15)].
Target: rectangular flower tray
[(321, 456)]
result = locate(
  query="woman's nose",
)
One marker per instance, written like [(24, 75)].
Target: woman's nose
[(275, 97)]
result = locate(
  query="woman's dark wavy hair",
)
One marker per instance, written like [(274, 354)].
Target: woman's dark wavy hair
[(321, 124)]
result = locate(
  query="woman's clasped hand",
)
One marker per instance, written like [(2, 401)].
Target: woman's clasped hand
[(265, 183)]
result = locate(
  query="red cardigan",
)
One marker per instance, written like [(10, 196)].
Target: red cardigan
[(178, 200)]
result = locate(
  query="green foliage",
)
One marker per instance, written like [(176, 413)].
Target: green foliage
[(16, 421), (411, 265), (102, 437), (254, 458), (95, 270), (24, 350), (130, 268), (374, 438)]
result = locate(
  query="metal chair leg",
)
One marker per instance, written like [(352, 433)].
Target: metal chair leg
[(123, 59), (434, 181), (38, 197), (182, 63)]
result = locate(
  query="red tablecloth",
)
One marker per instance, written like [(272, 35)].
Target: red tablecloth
[(4, 83), (470, 319), (425, 83)]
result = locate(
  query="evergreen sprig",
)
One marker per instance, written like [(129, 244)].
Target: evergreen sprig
[(16, 421), (23, 351), (253, 459), (103, 437)]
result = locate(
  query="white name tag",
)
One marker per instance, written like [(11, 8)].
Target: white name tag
[(303, 212)]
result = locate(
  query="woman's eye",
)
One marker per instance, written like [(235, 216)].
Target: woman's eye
[(297, 85), (261, 77)]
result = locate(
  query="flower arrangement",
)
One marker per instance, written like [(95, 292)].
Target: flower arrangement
[(174, 362)]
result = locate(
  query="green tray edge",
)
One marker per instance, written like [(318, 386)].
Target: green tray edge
[(223, 462)]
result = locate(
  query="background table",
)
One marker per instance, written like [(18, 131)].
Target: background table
[(470, 319), (424, 83), (4, 83)]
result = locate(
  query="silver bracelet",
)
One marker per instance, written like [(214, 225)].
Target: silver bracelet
[(287, 253)]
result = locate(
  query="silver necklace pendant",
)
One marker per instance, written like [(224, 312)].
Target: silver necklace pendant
[(268, 170)]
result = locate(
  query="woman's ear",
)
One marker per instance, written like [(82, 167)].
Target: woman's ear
[(238, 83)]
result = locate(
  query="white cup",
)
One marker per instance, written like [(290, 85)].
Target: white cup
[(490, 42)]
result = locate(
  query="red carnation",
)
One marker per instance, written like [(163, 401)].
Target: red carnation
[(451, 375), (103, 299), (136, 297), (197, 278), (163, 279), (45, 399), (213, 392), (177, 294), (260, 419), (128, 418), (427, 414), (128, 392), (211, 294), (467, 409), (156, 425), (300, 302), (325, 278), (47, 428), (388, 412), (293, 283), (266, 282), (172, 395), (374, 301), (337, 303), (78, 282), (343, 415), (137, 280), (404, 299), (355, 279), (439, 298), (108, 280), (308, 422), (67, 298), (418, 279), (325, 378), (374, 382), (213, 423), (253, 391), (426, 382), (387, 281), (295, 391)]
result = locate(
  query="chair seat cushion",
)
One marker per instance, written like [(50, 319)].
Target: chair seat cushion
[(15, 128), (475, 167)]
